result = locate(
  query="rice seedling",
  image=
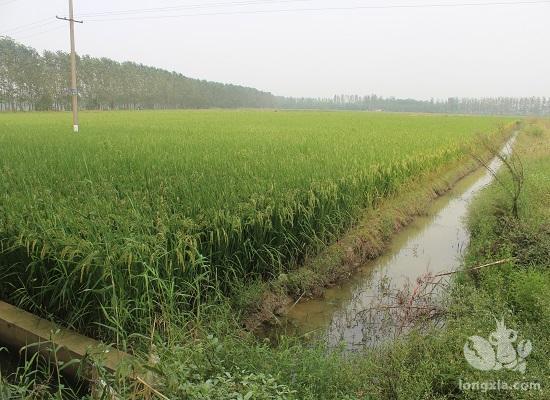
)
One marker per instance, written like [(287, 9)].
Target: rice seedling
[(146, 210)]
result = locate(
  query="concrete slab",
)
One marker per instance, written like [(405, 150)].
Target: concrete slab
[(19, 328)]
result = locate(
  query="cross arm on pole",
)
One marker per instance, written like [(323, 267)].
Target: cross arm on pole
[(69, 19)]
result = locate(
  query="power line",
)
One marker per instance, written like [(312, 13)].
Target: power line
[(42, 23), (47, 21), (19, 38), (190, 7), (32, 25), (5, 3), (290, 10)]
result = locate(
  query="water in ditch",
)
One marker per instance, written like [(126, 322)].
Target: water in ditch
[(433, 243)]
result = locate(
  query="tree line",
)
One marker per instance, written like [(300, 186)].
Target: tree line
[(32, 81), (452, 105)]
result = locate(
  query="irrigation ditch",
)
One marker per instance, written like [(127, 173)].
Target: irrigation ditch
[(367, 309)]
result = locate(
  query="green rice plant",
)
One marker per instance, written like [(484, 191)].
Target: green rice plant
[(145, 210)]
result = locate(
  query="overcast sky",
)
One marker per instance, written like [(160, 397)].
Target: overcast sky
[(337, 46)]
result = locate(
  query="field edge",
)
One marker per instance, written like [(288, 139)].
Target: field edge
[(262, 302)]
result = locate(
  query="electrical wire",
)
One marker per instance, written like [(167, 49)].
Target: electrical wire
[(49, 21), (5, 3), (290, 10), (40, 33), (190, 7), (32, 25)]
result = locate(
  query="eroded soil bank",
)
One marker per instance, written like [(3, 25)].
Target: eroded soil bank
[(264, 304), (432, 243)]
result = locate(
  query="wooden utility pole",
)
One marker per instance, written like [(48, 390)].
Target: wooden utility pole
[(74, 90)]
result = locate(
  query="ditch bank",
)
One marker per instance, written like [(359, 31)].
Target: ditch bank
[(268, 304), (432, 245)]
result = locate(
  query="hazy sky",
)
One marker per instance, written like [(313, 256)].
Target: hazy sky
[(498, 50)]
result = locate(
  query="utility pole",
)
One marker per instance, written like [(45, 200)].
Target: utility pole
[(74, 90)]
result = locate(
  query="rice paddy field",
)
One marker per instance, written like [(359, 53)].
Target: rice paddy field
[(145, 209)]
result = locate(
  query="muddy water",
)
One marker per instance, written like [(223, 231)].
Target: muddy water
[(433, 243)]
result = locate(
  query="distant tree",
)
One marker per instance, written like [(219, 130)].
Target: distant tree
[(31, 81)]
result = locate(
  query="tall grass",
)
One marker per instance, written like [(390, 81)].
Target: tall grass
[(101, 226)]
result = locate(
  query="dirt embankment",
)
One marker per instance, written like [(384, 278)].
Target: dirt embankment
[(365, 241)]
